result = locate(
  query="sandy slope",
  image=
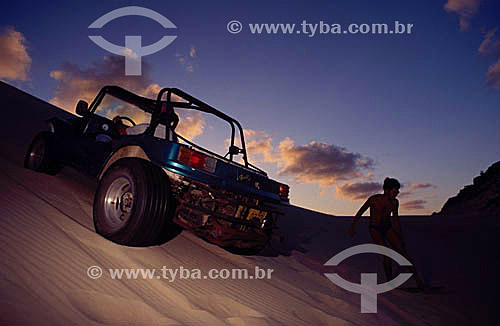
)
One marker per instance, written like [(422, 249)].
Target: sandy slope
[(47, 243)]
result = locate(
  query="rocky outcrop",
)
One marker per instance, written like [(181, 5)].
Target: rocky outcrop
[(480, 198)]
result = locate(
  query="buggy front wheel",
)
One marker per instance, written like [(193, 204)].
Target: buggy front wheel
[(41, 156)]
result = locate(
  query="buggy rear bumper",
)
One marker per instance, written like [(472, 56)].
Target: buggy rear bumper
[(220, 216)]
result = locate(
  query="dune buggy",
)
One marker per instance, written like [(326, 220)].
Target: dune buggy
[(152, 180)]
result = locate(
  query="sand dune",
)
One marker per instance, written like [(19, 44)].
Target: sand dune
[(48, 242)]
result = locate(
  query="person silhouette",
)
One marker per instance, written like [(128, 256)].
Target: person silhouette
[(382, 231)]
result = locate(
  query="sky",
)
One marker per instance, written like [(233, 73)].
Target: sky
[(329, 114)]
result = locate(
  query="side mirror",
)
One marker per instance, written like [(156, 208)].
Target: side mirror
[(82, 108)]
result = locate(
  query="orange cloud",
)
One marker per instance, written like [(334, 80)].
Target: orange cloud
[(190, 125), (417, 186), (405, 194), (192, 52), (465, 9), (75, 83), (15, 62), (490, 46), (414, 204), (110, 110), (358, 190), (315, 162), (321, 163), (188, 61), (259, 145), (493, 75)]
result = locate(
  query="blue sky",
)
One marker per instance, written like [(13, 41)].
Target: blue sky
[(416, 106)]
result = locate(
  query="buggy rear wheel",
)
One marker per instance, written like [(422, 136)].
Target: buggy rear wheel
[(132, 204)]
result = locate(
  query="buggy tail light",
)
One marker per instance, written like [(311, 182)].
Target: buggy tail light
[(196, 159), (284, 190)]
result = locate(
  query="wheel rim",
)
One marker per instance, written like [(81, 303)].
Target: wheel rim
[(37, 153), (118, 203)]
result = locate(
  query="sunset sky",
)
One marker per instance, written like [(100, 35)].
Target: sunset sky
[(330, 114)]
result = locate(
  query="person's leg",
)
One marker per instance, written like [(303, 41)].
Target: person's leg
[(378, 238), (398, 245)]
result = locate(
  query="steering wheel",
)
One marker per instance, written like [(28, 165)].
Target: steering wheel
[(127, 119)]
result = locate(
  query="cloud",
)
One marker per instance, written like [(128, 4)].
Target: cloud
[(124, 109), (190, 126), (258, 144), (414, 204), (192, 52), (129, 53), (316, 162), (362, 190), (490, 46), (75, 83), (358, 190), (465, 9), (321, 163), (188, 60), (15, 62), (493, 75), (253, 134), (78, 83), (405, 194), (417, 186), (260, 147)]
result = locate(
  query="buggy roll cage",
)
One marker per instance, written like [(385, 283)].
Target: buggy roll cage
[(158, 111), (195, 104)]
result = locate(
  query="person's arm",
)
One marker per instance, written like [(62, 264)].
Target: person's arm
[(395, 218), (352, 229)]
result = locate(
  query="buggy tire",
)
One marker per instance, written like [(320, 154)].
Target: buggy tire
[(41, 156), (133, 204)]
